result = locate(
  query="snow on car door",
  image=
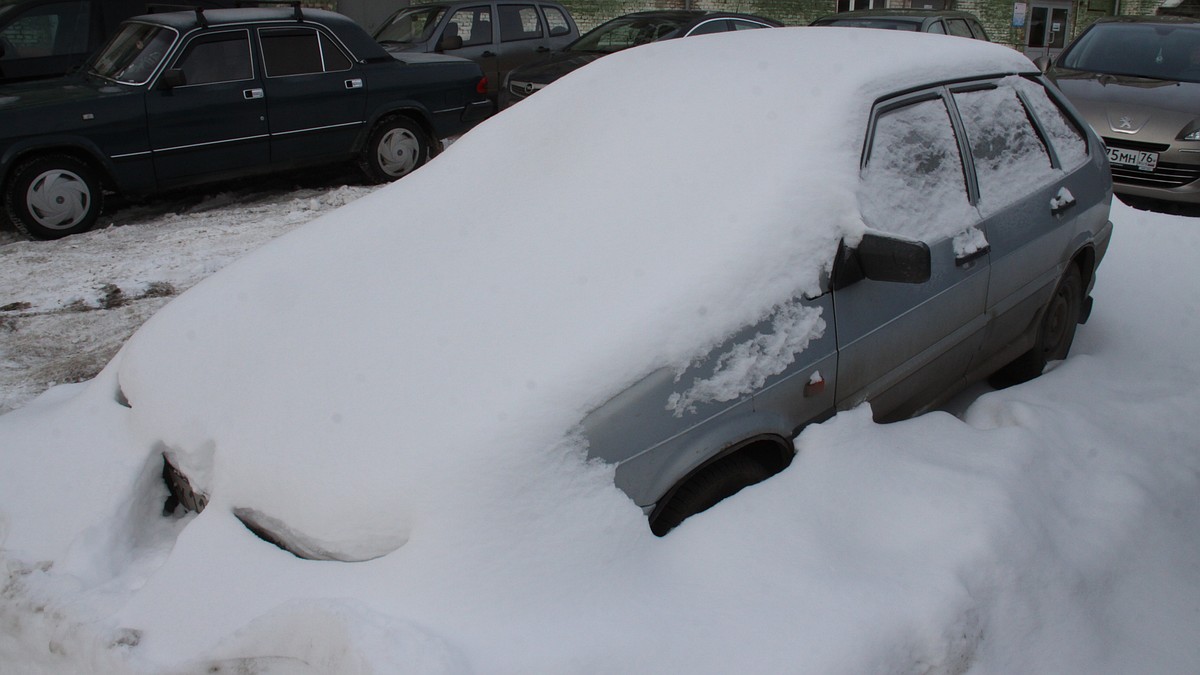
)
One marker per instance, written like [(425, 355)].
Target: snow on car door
[(901, 344)]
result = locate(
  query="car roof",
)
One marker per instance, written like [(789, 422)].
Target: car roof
[(910, 15), (350, 33), (1163, 19)]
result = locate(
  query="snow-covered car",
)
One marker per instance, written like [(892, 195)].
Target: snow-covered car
[(664, 320), (182, 98)]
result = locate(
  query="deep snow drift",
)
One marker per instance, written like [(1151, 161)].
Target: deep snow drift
[(1051, 527)]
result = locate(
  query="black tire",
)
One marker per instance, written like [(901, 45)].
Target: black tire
[(1055, 333), (710, 485), (397, 147), (53, 196)]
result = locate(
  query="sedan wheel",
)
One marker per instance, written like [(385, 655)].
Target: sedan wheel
[(397, 147), (52, 197)]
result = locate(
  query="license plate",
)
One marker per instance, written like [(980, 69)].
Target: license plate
[(1140, 159)]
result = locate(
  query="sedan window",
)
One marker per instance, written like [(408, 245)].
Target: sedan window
[(1009, 155), (473, 25), (217, 57), (300, 51), (1065, 136), (913, 184)]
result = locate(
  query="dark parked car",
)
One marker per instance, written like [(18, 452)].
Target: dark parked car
[(1136, 80), (498, 35), (621, 33), (680, 305), (189, 97), (48, 38), (946, 22)]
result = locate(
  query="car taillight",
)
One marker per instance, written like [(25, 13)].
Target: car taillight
[(481, 86)]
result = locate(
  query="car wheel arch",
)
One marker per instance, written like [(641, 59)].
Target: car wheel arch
[(773, 452), (415, 113)]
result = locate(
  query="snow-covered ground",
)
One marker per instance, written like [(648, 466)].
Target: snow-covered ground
[(1053, 527)]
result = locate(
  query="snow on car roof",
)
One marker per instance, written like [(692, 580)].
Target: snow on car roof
[(627, 218)]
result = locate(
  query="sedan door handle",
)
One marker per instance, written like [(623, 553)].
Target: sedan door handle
[(487, 54), (252, 94), (355, 83), (543, 49)]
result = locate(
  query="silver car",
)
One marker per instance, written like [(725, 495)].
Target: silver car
[(679, 311), (1136, 80)]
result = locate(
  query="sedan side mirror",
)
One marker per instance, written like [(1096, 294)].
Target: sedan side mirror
[(1043, 63), (173, 78), (883, 258)]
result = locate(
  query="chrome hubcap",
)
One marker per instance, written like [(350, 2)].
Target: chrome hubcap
[(58, 199)]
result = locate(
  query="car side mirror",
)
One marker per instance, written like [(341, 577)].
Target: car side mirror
[(173, 78), (450, 42), (883, 258), (1043, 63)]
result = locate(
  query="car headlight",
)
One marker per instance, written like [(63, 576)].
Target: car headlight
[(1191, 132)]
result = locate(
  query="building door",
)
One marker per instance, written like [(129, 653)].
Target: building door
[(1047, 29)]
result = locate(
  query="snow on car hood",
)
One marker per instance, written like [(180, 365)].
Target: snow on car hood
[(438, 341)]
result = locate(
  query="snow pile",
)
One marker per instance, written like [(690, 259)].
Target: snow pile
[(363, 381)]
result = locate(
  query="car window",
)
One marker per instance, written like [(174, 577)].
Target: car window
[(131, 56), (1064, 134), (216, 57), (913, 183), (473, 25), (519, 22), (556, 21), (959, 27), (411, 25), (48, 30), (977, 30), (300, 51), (937, 28), (741, 24), (714, 26), (1008, 153)]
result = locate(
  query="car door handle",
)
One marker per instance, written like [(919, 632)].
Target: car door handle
[(488, 53), (355, 83), (543, 49), (972, 256), (252, 94), (1062, 201)]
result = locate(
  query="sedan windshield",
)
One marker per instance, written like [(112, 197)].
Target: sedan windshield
[(625, 32), (131, 56), (1140, 50), (411, 25)]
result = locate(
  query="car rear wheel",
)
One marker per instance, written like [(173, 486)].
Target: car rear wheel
[(1055, 333), (54, 196), (396, 148)]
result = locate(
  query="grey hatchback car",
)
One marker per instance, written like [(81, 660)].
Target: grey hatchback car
[(677, 320), (1136, 80)]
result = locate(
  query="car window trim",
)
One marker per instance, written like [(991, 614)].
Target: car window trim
[(204, 34), (152, 80), (316, 28)]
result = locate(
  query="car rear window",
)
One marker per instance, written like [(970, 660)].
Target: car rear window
[(300, 51)]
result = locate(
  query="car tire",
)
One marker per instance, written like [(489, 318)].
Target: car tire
[(54, 196), (710, 485), (1056, 332), (397, 147)]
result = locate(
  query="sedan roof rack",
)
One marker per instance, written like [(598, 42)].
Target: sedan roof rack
[(295, 5)]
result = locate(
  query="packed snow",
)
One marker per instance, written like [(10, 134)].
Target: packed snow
[(1050, 527)]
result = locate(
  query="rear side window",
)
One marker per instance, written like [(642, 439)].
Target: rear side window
[(1065, 136), (959, 28), (913, 183), (519, 22), (715, 26), (473, 25), (1010, 158), (556, 21), (216, 57), (300, 51)]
